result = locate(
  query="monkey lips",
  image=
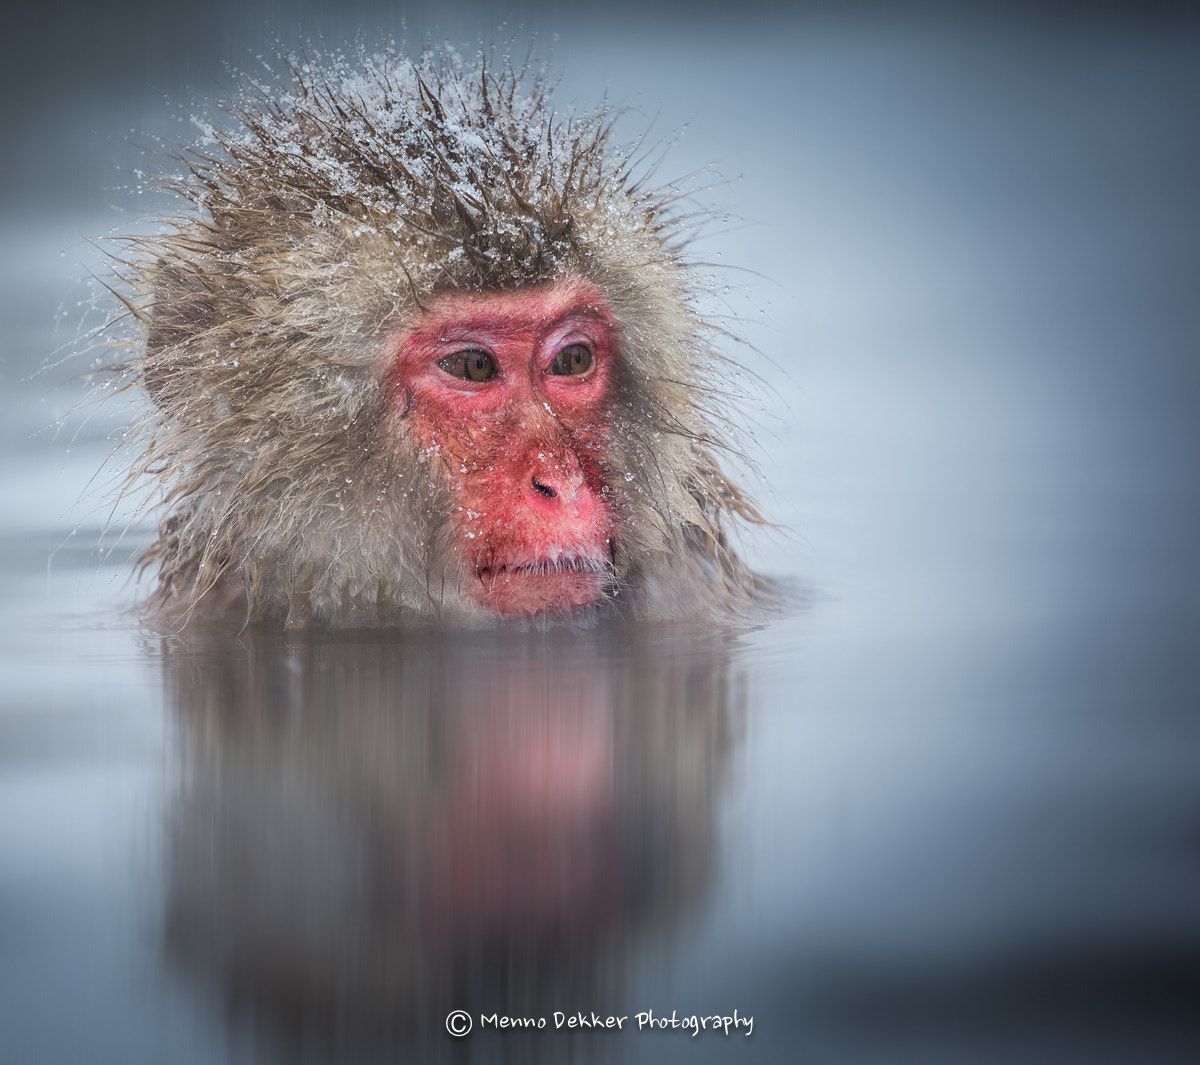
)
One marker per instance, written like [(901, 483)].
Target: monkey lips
[(509, 395), (513, 587)]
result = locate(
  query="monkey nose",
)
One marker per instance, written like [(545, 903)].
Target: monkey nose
[(552, 483)]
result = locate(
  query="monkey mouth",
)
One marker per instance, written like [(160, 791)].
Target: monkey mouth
[(526, 586), (565, 564)]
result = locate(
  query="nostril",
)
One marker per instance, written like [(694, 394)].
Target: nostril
[(544, 489)]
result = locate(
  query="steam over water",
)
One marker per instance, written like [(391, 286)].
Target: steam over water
[(944, 808)]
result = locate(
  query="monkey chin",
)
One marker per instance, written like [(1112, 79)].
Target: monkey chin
[(524, 588)]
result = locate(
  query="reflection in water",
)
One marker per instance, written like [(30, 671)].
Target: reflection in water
[(369, 832)]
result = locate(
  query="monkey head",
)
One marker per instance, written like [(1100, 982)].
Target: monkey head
[(420, 347)]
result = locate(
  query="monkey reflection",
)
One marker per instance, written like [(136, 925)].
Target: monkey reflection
[(366, 834)]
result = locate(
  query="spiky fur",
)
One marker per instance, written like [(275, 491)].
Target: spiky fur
[(336, 200)]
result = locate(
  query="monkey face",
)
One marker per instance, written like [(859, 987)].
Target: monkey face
[(509, 396)]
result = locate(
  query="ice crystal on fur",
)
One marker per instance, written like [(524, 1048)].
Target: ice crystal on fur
[(322, 213)]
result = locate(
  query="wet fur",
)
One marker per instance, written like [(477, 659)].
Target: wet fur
[(331, 206)]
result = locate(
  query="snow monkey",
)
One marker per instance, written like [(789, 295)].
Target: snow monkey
[(420, 346)]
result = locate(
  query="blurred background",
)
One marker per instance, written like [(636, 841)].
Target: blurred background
[(946, 808)]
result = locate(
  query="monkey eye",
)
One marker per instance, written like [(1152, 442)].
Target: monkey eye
[(470, 365), (573, 359)]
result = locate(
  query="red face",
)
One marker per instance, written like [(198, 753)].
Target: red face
[(511, 394)]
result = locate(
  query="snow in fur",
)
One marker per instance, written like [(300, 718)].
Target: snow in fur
[(328, 206)]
